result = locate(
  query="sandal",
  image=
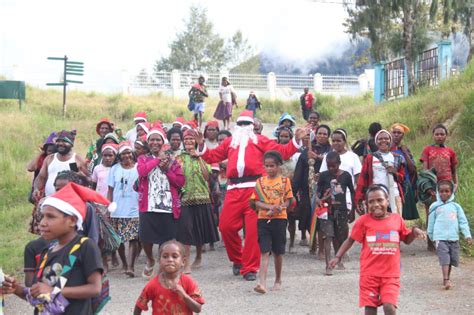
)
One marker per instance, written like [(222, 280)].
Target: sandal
[(148, 271)]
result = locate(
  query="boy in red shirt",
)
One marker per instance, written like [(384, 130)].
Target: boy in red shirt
[(380, 233)]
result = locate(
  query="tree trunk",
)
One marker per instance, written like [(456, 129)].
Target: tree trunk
[(407, 44), (469, 36)]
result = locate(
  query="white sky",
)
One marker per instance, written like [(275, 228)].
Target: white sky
[(109, 36)]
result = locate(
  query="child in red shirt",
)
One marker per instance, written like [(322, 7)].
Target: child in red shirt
[(171, 291), (380, 233)]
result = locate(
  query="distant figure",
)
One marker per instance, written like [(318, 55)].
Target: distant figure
[(253, 103), (198, 93), (228, 99), (306, 101), (132, 134)]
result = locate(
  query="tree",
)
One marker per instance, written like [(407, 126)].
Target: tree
[(379, 21), (199, 48), (455, 14)]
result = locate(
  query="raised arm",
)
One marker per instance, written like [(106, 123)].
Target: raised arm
[(145, 166)]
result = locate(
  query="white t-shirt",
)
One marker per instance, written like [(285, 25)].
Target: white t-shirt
[(380, 172), (100, 176), (226, 93), (131, 135), (349, 162)]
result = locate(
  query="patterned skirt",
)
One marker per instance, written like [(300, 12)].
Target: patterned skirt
[(126, 228)]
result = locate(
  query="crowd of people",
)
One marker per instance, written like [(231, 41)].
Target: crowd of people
[(179, 187)]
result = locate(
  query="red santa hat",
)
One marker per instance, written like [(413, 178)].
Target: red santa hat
[(215, 167), (180, 121), (157, 131), (125, 145), (112, 146), (145, 126), (190, 124), (140, 116), (104, 121), (246, 115), (72, 198)]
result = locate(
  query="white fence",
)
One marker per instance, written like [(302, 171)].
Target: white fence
[(177, 84)]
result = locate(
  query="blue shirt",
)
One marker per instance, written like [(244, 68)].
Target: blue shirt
[(122, 180)]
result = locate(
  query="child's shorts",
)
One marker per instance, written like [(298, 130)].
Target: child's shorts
[(448, 252), (199, 108), (272, 235), (336, 227), (376, 291)]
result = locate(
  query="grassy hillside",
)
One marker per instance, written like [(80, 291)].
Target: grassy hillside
[(22, 132)]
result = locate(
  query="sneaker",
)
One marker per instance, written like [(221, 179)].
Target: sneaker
[(250, 276), (236, 269)]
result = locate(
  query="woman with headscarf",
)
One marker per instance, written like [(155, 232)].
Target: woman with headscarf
[(300, 183), (410, 211), (197, 224), (160, 178), (382, 167), (210, 134), (103, 127)]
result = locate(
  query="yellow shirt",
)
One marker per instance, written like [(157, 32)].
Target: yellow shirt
[(273, 191)]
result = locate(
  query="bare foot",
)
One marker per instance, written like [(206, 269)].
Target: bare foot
[(328, 272), (196, 264), (130, 272), (260, 289), (321, 256), (276, 286), (291, 250), (448, 284), (340, 266), (115, 262), (212, 248), (124, 269)]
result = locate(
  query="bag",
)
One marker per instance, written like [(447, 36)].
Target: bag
[(409, 211), (99, 302), (191, 105)]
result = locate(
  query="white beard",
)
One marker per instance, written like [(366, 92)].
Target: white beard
[(241, 136)]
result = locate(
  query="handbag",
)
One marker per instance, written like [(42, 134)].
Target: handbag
[(191, 105)]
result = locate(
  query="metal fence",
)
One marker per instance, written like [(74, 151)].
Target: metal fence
[(394, 77), (427, 68), (338, 83)]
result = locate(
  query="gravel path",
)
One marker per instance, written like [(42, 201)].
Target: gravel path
[(305, 289)]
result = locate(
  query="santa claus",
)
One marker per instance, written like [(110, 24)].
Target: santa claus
[(244, 151)]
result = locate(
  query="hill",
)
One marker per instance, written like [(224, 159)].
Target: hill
[(22, 132)]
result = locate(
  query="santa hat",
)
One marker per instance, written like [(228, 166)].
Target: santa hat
[(145, 126), (180, 121), (141, 140), (72, 198), (157, 131), (190, 133), (246, 115), (111, 146), (215, 167), (124, 145), (104, 121), (190, 124), (140, 116), (157, 123)]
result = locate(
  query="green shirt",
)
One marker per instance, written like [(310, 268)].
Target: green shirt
[(196, 189)]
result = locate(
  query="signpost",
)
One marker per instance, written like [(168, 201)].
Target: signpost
[(70, 68)]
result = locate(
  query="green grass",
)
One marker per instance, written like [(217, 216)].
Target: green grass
[(22, 132)]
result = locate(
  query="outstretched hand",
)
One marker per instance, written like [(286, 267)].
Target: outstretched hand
[(200, 138), (419, 233)]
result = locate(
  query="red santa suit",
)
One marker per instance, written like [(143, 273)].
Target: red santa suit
[(244, 166)]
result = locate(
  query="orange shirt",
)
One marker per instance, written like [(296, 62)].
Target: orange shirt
[(273, 191)]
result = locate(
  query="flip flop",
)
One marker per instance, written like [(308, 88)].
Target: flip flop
[(130, 273), (148, 271)]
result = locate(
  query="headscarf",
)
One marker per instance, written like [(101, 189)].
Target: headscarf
[(383, 131), (67, 136), (400, 127), (104, 121)]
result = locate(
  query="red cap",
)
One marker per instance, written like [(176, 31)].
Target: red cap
[(246, 115), (140, 116), (104, 121), (158, 131)]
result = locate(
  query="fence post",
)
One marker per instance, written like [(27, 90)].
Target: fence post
[(271, 85), (405, 78), (379, 83), (125, 82), (175, 83), (445, 53), (318, 83), (363, 83)]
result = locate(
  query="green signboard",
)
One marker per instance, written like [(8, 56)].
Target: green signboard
[(12, 90)]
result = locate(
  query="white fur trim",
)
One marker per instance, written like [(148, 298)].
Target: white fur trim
[(245, 118), (109, 147), (112, 207), (241, 185), (296, 144), (125, 147), (185, 126), (156, 132), (139, 118), (241, 159), (64, 207), (204, 149)]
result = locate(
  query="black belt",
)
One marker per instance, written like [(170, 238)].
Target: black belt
[(244, 179)]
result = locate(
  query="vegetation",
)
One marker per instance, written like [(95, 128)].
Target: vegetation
[(198, 47), (22, 132)]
